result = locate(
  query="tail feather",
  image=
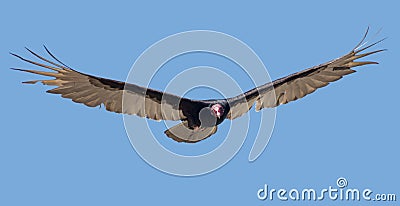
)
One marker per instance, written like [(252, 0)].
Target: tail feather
[(182, 133)]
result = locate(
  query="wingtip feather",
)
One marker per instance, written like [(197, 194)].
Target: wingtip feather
[(356, 64), (31, 82), (16, 55), (17, 69)]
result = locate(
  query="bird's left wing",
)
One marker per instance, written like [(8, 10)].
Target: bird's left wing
[(116, 96), (300, 84)]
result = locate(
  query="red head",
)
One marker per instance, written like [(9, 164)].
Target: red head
[(217, 110)]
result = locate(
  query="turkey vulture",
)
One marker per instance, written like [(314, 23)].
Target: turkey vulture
[(199, 118)]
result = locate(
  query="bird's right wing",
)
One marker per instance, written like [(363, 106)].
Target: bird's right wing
[(300, 84), (116, 96)]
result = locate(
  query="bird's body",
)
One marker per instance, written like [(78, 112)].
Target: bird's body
[(199, 118)]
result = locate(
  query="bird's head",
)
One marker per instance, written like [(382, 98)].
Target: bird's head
[(217, 110)]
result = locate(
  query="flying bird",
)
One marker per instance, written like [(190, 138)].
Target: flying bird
[(199, 118)]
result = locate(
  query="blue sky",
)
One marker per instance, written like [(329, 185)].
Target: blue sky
[(56, 152)]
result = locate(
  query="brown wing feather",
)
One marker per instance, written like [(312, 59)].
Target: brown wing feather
[(300, 84), (95, 91)]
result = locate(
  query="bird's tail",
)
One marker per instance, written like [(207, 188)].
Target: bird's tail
[(182, 133)]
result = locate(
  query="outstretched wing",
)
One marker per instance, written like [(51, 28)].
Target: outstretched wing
[(116, 96), (300, 84)]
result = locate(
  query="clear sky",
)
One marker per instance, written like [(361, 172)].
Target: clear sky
[(56, 152)]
